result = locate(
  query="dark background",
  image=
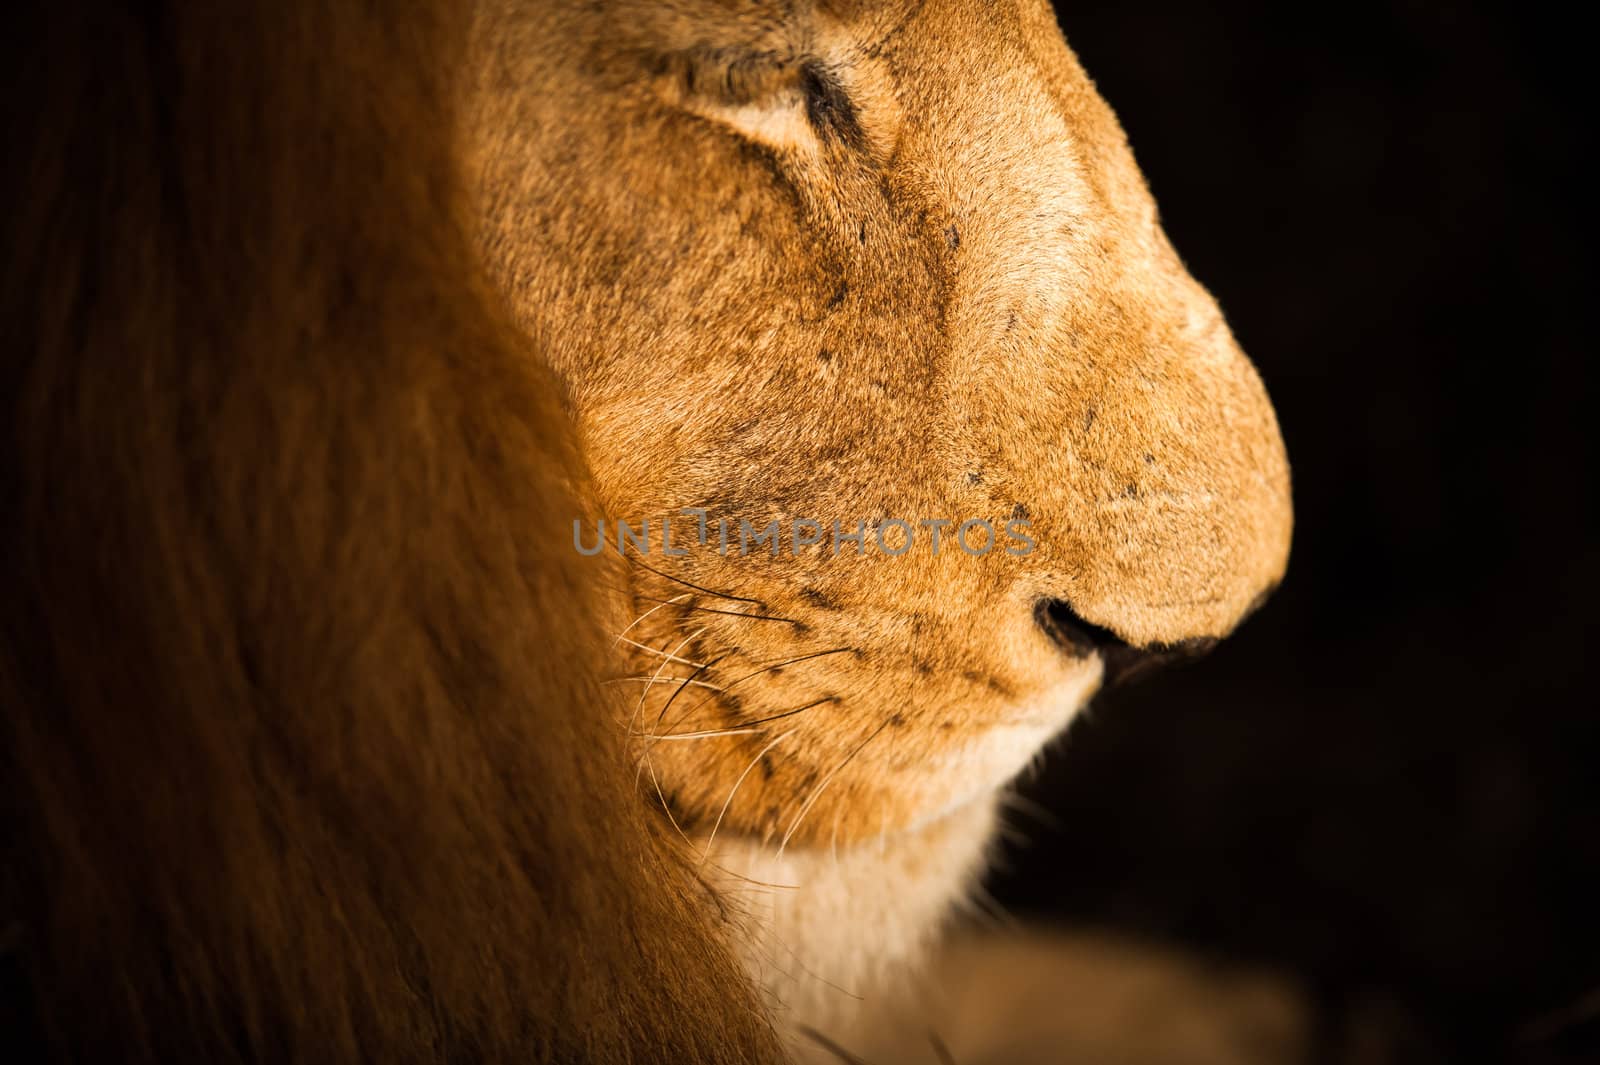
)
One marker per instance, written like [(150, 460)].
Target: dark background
[(1386, 782)]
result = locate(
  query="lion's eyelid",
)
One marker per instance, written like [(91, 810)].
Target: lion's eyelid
[(829, 107)]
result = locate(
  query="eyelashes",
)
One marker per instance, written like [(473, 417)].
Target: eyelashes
[(829, 108), (751, 91)]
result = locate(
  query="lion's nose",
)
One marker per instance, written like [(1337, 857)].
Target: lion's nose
[(1123, 660)]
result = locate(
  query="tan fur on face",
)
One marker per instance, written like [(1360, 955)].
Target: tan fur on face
[(843, 261), (950, 301)]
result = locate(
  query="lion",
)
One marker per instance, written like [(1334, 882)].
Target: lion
[(331, 331)]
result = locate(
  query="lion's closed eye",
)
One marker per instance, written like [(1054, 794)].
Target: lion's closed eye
[(787, 101)]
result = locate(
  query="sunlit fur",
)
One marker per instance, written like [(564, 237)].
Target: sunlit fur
[(324, 323), (937, 288)]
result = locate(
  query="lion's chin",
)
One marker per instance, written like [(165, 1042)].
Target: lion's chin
[(876, 805), (829, 928), (985, 762)]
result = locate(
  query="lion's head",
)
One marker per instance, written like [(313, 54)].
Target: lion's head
[(854, 262), (307, 754)]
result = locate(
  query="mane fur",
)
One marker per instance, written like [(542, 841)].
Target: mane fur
[(303, 753)]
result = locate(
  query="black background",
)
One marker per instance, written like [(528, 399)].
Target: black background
[(1386, 781)]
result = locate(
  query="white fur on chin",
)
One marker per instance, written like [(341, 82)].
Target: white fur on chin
[(836, 936)]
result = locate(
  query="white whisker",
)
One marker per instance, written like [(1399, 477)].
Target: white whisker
[(704, 734), (822, 785), (729, 800), (669, 656), (624, 633), (637, 710), (664, 680), (666, 808), (833, 837)]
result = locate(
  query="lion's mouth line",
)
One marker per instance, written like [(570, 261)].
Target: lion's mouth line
[(730, 833)]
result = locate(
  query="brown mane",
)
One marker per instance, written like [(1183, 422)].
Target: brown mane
[(302, 735)]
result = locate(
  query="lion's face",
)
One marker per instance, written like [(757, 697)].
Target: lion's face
[(848, 262)]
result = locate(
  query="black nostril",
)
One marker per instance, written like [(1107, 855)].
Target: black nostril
[(1123, 661), (1070, 632)]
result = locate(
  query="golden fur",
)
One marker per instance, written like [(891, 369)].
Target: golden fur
[(322, 742), (838, 261)]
